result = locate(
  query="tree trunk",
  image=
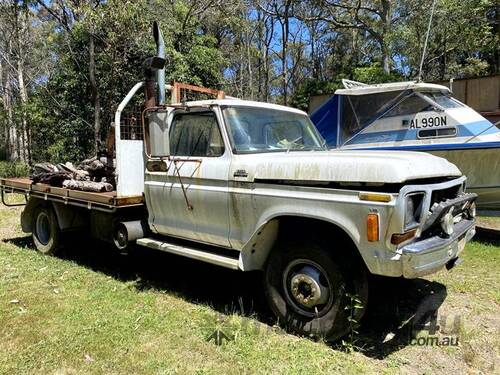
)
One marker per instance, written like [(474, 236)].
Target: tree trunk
[(444, 60), (269, 33), (242, 68), (314, 60), (354, 55), (11, 132), (21, 25), (283, 59), (25, 148), (249, 65), (386, 16), (386, 59), (260, 48), (6, 126), (285, 23), (94, 94)]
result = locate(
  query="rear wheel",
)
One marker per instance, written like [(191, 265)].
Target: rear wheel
[(309, 290), (46, 233)]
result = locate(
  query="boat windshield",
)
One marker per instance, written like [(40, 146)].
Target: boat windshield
[(360, 111), (253, 130), (444, 100)]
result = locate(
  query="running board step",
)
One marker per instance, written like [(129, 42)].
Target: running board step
[(189, 252)]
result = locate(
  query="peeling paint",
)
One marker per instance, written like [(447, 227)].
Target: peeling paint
[(344, 166)]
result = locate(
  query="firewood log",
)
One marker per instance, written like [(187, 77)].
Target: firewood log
[(97, 187)]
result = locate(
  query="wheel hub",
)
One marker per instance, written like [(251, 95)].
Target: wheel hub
[(43, 228), (121, 238), (307, 287)]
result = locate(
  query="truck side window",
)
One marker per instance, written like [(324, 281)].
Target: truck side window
[(196, 134)]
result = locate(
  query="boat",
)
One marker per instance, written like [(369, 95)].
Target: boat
[(416, 116)]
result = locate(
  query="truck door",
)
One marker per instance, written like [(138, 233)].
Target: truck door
[(190, 198)]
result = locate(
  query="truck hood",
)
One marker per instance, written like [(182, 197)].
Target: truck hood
[(341, 166)]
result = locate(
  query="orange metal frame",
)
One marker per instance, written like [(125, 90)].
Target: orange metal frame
[(177, 87)]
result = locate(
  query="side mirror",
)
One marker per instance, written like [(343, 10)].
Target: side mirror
[(157, 136)]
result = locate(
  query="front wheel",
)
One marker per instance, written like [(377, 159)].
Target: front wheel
[(45, 231), (312, 293)]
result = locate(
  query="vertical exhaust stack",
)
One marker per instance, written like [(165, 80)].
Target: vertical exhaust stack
[(160, 52), (154, 73)]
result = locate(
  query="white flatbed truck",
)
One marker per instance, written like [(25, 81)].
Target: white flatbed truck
[(250, 186)]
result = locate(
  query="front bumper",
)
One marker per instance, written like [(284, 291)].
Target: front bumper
[(428, 256)]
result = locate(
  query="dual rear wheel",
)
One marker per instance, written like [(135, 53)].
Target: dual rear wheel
[(46, 233)]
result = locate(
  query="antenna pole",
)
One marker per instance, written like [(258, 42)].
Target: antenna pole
[(426, 40)]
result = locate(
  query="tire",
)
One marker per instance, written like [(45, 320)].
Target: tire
[(46, 233), (292, 276)]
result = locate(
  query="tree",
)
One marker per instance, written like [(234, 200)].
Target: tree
[(100, 49), (21, 31), (461, 42), (374, 18), (66, 64), (12, 148)]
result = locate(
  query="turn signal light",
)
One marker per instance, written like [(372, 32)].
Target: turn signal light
[(375, 197), (372, 230), (398, 238)]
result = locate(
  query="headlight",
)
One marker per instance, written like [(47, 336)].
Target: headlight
[(447, 222), (413, 209)]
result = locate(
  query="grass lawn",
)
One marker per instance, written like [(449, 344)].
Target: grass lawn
[(91, 310)]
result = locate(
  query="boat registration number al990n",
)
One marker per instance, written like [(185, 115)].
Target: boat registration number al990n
[(426, 122)]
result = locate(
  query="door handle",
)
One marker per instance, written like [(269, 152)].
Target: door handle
[(240, 173)]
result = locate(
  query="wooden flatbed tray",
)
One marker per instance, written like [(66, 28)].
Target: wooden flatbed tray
[(24, 185)]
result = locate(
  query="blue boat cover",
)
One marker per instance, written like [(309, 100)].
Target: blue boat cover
[(326, 120)]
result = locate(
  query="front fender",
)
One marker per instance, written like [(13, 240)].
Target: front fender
[(267, 204)]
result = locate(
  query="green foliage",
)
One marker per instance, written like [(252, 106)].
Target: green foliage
[(14, 169), (375, 74), (463, 40), (349, 343), (469, 67), (205, 63), (233, 46), (300, 98), (62, 113)]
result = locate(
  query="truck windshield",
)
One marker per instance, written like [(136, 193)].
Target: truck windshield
[(254, 129)]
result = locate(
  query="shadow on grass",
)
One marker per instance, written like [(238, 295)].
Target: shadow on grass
[(24, 242), (386, 327), (488, 236), (394, 305)]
